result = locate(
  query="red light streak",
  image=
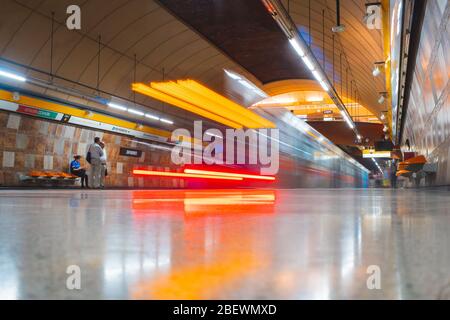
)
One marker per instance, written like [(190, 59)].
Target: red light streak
[(228, 174), (183, 175)]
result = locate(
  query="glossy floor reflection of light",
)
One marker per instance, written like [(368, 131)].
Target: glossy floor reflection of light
[(225, 244)]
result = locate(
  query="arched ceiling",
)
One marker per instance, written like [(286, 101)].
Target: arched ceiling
[(360, 46), (127, 28), (245, 31), (236, 35)]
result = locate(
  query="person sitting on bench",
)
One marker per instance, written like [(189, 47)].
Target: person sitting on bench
[(76, 169)]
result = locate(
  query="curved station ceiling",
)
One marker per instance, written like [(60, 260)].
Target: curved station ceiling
[(123, 42)]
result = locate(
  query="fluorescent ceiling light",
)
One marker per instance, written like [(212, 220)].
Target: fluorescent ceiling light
[(12, 76), (308, 63), (260, 93), (349, 122), (297, 47), (232, 75), (376, 71), (324, 86), (136, 112), (116, 106), (246, 84), (166, 121), (213, 135), (147, 115), (317, 75)]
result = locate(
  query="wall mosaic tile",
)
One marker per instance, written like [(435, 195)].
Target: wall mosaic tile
[(34, 144), (427, 123)]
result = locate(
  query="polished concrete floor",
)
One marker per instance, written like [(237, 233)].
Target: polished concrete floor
[(226, 244)]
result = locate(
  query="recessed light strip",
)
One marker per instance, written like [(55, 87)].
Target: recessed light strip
[(282, 17)]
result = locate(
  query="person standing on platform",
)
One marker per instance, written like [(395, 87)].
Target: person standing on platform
[(103, 160), (95, 153), (78, 170)]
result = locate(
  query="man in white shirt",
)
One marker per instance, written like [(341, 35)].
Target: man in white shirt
[(103, 160), (96, 152)]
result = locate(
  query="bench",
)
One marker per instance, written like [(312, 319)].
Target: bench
[(47, 179), (416, 168)]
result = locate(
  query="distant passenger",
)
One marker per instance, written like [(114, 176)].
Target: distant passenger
[(103, 160), (78, 170), (394, 175), (95, 153)]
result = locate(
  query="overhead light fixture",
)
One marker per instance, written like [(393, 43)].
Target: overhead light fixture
[(232, 75), (12, 76), (349, 122), (116, 106), (246, 83), (377, 68), (136, 112), (371, 13), (359, 137), (382, 117), (294, 43), (382, 98), (150, 116), (385, 129), (288, 26), (213, 135), (324, 86), (338, 27), (317, 75), (196, 98), (308, 63), (166, 121), (376, 71), (378, 166)]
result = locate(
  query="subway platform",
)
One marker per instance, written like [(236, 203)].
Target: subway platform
[(225, 244)]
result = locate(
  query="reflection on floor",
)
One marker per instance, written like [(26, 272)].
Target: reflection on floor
[(225, 244)]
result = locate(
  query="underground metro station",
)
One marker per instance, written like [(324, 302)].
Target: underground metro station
[(212, 149)]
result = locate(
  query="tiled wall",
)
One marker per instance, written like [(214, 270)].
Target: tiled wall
[(29, 143), (427, 125)]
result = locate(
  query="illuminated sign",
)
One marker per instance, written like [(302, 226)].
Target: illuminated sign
[(130, 152), (376, 154)]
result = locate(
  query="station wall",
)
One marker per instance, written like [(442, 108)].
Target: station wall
[(427, 123), (33, 144)]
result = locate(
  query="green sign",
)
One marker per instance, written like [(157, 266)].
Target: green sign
[(38, 112)]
